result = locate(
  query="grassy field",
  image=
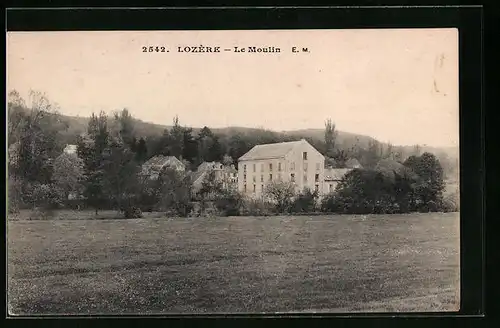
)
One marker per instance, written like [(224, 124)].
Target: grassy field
[(236, 264)]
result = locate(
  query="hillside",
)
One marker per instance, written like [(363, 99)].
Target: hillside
[(78, 125), (345, 140)]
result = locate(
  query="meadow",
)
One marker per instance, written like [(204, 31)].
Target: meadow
[(155, 265)]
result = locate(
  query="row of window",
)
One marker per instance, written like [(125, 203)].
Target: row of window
[(292, 167), (292, 177), (316, 188)]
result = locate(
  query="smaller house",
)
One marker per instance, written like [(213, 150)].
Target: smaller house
[(228, 175), (333, 177), (70, 149), (156, 164), (353, 163)]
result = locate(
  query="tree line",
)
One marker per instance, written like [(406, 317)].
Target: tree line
[(104, 172)]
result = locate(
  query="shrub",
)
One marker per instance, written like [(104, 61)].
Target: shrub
[(330, 203), (451, 203), (229, 203), (257, 207), (305, 202), (132, 212)]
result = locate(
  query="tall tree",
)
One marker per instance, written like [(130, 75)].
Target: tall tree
[(190, 146), (36, 131), (175, 191), (176, 146), (141, 151), (91, 149), (121, 182), (68, 174), (330, 138), (430, 184)]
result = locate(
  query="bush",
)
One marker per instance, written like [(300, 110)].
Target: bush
[(331, 204), (257, 207), (132, 212), (451, 203), (229, 203), (304, 202)]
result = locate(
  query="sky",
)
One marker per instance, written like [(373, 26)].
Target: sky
[(396, 85)]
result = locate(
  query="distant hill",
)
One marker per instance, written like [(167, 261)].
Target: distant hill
[(78, 125)]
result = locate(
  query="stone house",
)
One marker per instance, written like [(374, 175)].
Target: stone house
[(156, 164), (228, 175), (333, 177), (297, 162)]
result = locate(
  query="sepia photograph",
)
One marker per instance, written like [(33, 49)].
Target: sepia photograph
[(233, 171)]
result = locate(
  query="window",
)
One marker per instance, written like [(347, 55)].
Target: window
[(316, 188), (331, 187), (292, 166), (317, 166), (305, 177), (262, 167), (316, 177), (305, 166), (245, 187), (304, 156), (262, 188), (244, 177), (262, 178), (253, 188), (254, 167), (279, 176), (244, 168), (270, 166), (279, 166), (254, 178), (292, 177), (270, 177)]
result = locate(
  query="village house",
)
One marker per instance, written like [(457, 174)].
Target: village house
[(70, 149), (333, 177), (226, 174), (296, 161), (156, 164), (353, 163)]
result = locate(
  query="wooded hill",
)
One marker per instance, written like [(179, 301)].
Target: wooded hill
[(449, 156)]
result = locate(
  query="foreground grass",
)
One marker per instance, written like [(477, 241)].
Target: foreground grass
[(240, 264)]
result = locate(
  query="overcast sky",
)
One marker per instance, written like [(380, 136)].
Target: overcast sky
[(395, 85)]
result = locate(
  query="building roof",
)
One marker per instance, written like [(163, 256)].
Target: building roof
[(209, 166), (161, 161), (353, 163), (70, 149), (268, 151), (335, 174)]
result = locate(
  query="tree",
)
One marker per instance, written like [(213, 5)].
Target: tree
[(341, 157), (330, 138), (176, 140), (68, 174), (430, 184), (190, 146), (227, 160), (373, 154), (211, 187), (365, 191), (91, 148), (127, 133), (175, 192), (141, 151), (305, 201), (121, 183), (281, 194), (36, 133)]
